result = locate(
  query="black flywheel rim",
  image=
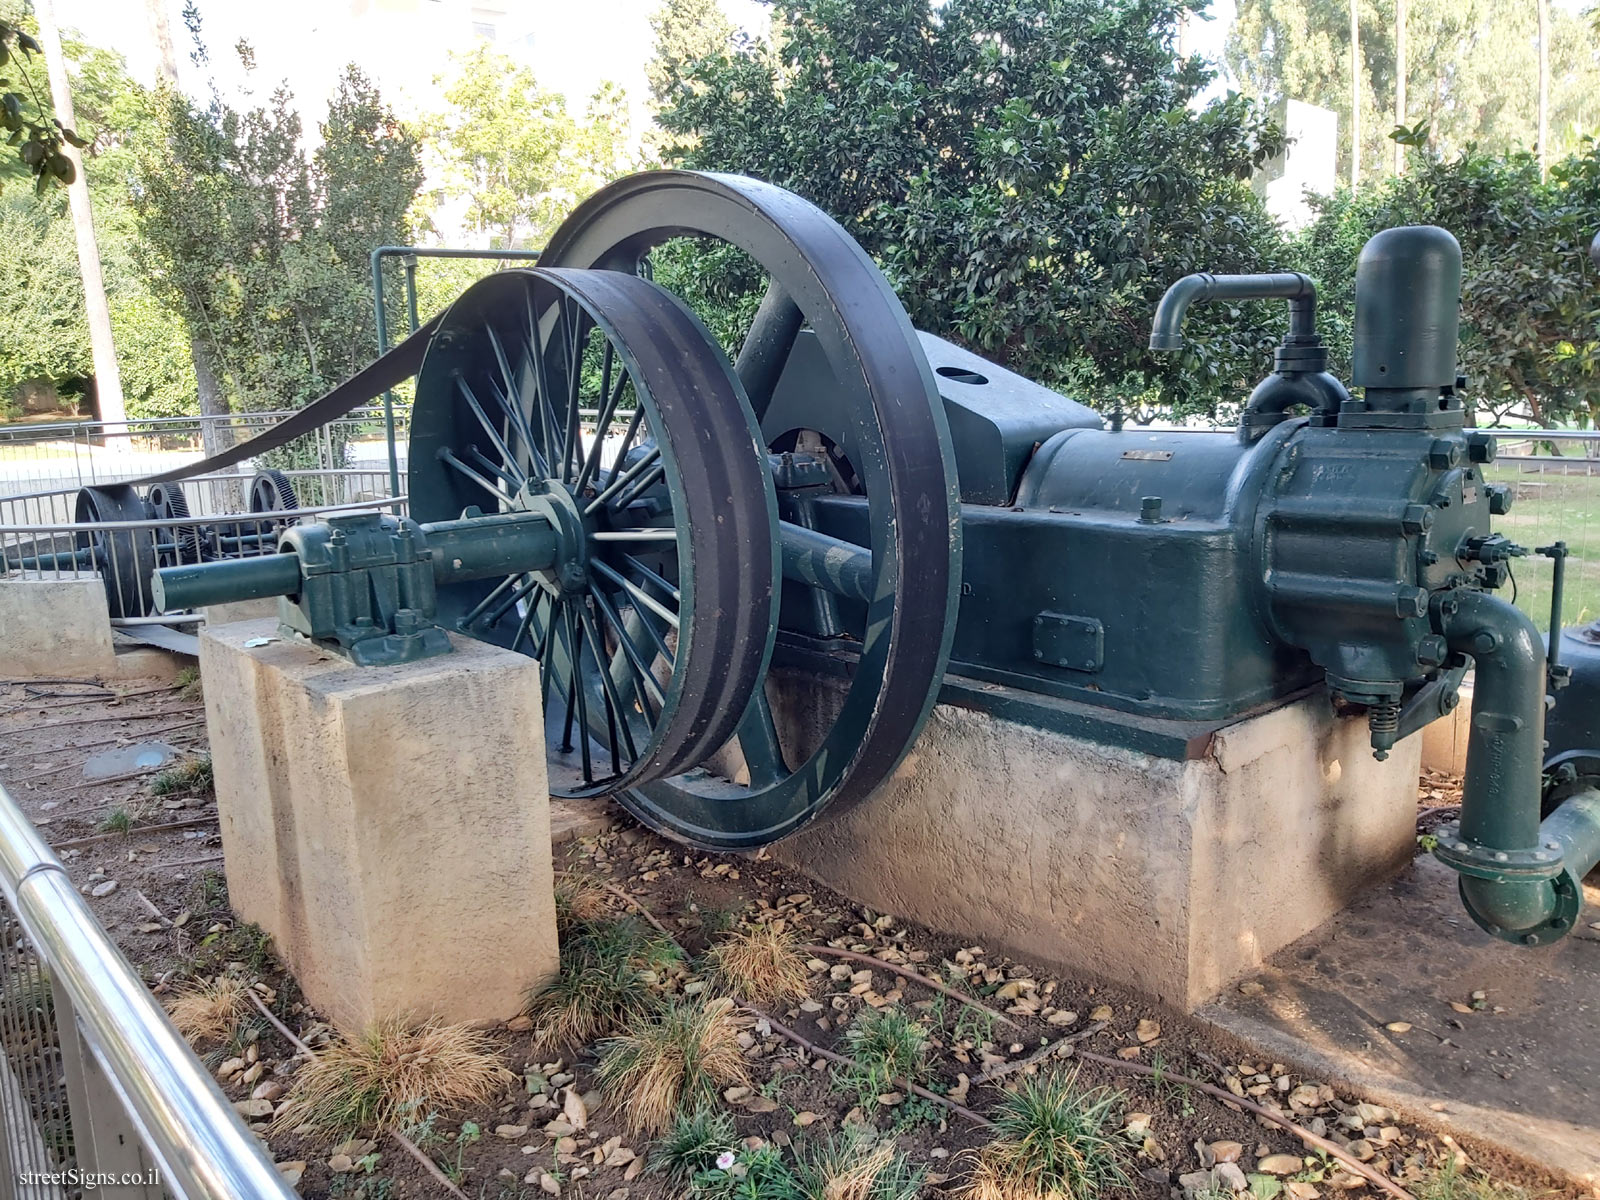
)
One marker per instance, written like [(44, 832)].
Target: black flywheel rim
[(655, 626), (907, 468), (124, 557)]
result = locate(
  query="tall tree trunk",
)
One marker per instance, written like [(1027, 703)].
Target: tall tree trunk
[(212, 402), (1399, 81), (161, 35), (107, 377), (1355, 96), (1544, 86), (207, 382)]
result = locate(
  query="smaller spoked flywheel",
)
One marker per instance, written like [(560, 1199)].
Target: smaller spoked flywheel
[(599, 402)]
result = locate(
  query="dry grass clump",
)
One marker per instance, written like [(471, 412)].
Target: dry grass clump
[(210, 1010), (1053, 1144), (760, 964), (580, 901), (189, 778), (857, 1166), (606, 983), (373, 1080), (679, 1060)]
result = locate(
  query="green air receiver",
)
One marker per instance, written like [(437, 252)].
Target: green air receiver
[(1408, 309)]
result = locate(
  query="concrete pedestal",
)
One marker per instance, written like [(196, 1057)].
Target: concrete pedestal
[(1170, 875), (55, 628), (388, 826)]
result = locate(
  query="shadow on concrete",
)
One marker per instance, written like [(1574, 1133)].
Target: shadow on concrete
[(1523, 1073)]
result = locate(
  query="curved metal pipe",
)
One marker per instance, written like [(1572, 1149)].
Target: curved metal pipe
[(1522, 881), (1166, 331)]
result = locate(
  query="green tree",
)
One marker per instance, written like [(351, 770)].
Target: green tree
[(43, 336), (515, 154), (262, 248), (1530, 300), (1471, 73), (1031, 175), (686, 31)]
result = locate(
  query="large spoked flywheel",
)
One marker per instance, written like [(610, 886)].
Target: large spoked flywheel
[(884, 446), (654, 623)]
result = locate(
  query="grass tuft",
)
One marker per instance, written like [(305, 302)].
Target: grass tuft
[(760, 964), (692, 1143), (887, 1045), (606, 983), (580, 901), (210, 1010), (193, 776), (389, 1072), (1455, 1181), (1053, 1144), (677, 1061), (118, 820), (188, 683), (857, 1166)]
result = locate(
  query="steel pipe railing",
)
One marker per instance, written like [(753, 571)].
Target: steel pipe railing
[(187, 1125)]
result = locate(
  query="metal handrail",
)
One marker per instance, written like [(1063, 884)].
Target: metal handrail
[(187, 1124)]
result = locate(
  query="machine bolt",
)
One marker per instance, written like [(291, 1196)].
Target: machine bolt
[(1552, 845), (1432, 650), (1418, 518), (1566, 772), (1499, 499), (1444, 454), (1150, 510), (1429, 557), (1460, 847), (1481, 447), (1501, 856), (1485, 642), (1530, 939), (1410, 602)]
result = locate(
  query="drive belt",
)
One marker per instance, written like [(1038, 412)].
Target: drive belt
[(377, 377)]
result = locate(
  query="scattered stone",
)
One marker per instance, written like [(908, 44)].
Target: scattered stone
[(1228, 1175), (1301, 1190), (1305, 1096), (1061, 1017), (1373, 1114), (511, 1133), (1147, 1031), (102, 890), (290, 1172), (575, 1110), (1226, 1152), (270, 1090), (522, 1024), (559, 1128), (1280, 1164), (760, 1104), (1398, 1026), (341, 1164), (735, 1095), (890, 1099), (1137, 1124), (253, 1109), (1101, 1012), (1251, 987)]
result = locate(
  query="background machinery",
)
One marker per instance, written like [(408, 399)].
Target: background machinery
[(852, 498)]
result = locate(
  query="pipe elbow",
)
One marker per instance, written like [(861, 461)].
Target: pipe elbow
[(1166, 329)]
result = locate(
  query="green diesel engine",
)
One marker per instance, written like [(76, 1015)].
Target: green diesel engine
[(593, 482)]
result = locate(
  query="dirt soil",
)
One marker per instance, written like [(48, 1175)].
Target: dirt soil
[(159, 891)]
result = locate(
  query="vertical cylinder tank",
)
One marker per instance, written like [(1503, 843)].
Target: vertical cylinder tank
[(1408, 285)]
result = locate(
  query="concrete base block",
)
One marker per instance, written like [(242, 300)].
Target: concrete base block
[(241, 610), (1444, 743), (388, 826), (55, 628), (1172, 876)]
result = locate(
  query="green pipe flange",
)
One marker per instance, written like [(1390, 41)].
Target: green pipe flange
[(1496, 866)]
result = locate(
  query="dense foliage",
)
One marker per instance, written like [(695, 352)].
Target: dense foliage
[(1471, 70), (512, 151), (1530, 295), (262, 248), (44, 339), (1031, 174)]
